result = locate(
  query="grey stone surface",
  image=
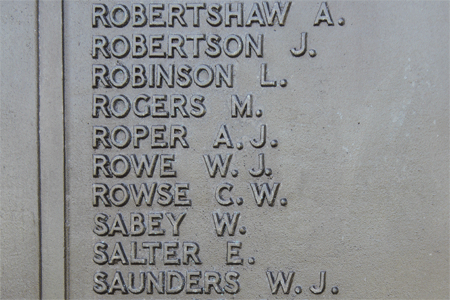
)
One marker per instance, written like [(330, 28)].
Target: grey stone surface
[(20, 254), (362, 155), (357, 138), (51, 128)]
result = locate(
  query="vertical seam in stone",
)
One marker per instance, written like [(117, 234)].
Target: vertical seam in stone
[(66, 229), (38, 103)]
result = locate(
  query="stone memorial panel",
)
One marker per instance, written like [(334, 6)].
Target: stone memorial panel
[(250, 149)]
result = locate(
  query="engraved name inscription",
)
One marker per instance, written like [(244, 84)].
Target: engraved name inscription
[(140, 138)]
